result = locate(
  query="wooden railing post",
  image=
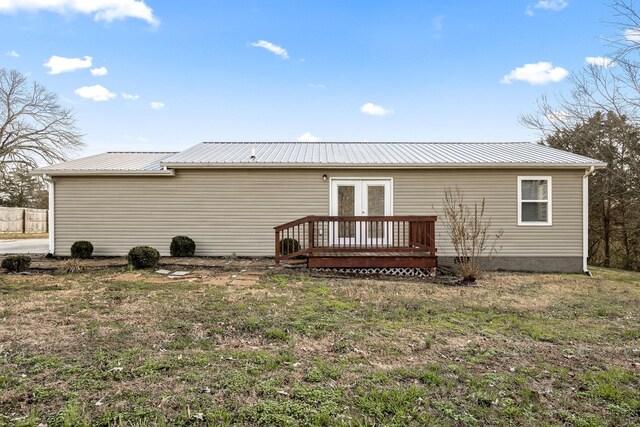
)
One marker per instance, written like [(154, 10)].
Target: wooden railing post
[(277, 247), (311, 235)]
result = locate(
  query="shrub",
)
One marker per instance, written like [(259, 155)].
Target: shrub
[(182, 246), (471, 234), (16, 263), (143, 257), (81, 249), (289, 245)]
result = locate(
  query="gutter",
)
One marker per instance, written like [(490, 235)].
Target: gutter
[(103, 172), (196, 165)]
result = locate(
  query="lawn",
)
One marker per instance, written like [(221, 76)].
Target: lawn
[(276, 347)]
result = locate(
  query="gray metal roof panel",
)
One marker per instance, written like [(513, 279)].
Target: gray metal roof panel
[(378, 153), (111, 162)]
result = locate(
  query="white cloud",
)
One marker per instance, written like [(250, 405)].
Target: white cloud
[(129, 96), (100, 71), (60, 64), (13, 53), (539, 73), (554, 5), (102, 10), (375, 109), (95, 93), (156, 105), (307, 137), (600, 61), (437, 23), (317, 86), (632, 34), (275, 49)]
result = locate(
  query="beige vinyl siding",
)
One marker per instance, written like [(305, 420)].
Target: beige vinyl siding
[(234, 211)]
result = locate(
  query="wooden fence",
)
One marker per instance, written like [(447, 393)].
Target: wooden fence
[(23, 220)]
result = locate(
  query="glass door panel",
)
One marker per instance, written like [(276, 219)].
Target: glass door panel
[(346, 207), (376, 202)]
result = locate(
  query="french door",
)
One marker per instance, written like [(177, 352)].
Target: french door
[(360, 197)]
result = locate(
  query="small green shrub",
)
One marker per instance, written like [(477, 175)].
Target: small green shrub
[(16, 263), (289, 245), (182, 246), (143, 257), (81, 249)]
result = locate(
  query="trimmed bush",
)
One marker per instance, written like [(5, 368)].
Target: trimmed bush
[(16, 263), (81, 249), (182, 246), (288, 246), (143, 257)]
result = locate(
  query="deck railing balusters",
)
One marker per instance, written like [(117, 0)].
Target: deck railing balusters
[(357, 234)]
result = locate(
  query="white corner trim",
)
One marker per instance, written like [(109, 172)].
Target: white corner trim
[(52, 216), (585, 218), (549, 220)]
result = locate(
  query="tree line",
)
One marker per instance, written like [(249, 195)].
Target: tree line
[(599, 117)]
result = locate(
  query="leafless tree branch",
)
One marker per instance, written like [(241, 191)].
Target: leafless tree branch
[(34, 127)]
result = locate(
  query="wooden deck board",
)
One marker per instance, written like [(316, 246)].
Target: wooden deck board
[(369, 254)]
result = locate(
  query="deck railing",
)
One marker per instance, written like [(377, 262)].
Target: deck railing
[(311, 234)]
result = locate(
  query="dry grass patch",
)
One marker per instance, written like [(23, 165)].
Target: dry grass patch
[(279, 348), (14, 236)]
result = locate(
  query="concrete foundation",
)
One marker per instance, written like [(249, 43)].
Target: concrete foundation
[(532, 264)]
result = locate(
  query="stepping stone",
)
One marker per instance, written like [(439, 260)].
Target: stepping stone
[(180, 273), (163, 271)]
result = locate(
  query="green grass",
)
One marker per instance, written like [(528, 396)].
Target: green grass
[(114, 348)]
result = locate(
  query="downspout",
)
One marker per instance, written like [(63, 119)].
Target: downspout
[(585, 219), (52, 216)]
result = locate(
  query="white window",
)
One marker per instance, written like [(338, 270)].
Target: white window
[(534, 200)]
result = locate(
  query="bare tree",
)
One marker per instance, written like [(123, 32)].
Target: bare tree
[(33, 126), (470, 234), (606, 87)]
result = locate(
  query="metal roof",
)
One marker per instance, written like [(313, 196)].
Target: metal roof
[(111, 163), (376, 154), (326, 155)]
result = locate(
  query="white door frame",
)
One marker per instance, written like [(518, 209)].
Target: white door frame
[(361, 205)]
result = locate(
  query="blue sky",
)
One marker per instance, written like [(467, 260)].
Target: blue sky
[(252, 70)]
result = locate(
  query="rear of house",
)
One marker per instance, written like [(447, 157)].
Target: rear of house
[(229, 197)]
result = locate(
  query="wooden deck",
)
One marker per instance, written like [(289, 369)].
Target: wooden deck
[(359, 242)]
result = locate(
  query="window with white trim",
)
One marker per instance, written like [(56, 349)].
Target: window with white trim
[(534, 200)]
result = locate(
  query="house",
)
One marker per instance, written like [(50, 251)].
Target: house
[(229, 197)]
